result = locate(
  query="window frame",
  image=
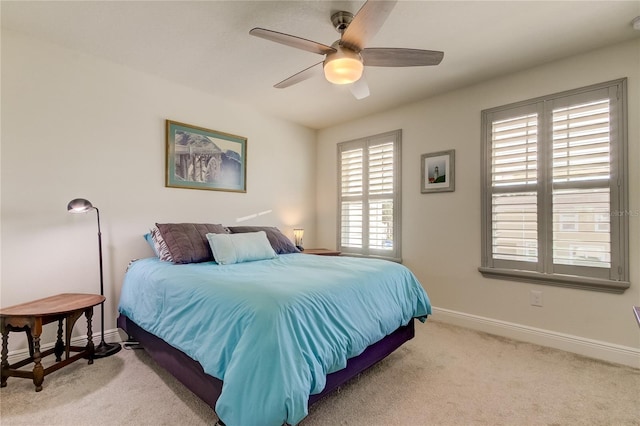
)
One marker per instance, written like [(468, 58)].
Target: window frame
[(395, 254), (545, 271)]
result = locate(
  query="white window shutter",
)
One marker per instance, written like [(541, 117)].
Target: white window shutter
[(554, 193), (514, 178), (581, 193), (369, 196)]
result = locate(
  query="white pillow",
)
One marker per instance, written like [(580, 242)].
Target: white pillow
[(237, 248)]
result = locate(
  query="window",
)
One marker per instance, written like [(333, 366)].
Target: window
[(554, 191), (369, 196)]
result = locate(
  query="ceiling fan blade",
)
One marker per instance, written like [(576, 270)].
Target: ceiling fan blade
[(305, 74), (360, 89), (399, 57), (366, 24), (293, 41)]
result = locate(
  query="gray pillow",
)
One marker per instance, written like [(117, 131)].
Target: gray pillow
[(187, 242), (280, 243)]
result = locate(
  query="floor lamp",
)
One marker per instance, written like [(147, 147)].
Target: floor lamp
[(104, 349)]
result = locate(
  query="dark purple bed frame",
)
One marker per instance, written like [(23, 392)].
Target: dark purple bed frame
[(208, 388)]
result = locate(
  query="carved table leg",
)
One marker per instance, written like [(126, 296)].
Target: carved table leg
[(29, 340), (90, 347), (59, 348), (5, 352), (38, 370), (72, 317)]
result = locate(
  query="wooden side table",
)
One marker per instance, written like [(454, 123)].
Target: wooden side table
[(31, 316), (321, 252)]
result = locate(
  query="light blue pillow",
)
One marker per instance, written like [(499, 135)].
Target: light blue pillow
[(237, 248)]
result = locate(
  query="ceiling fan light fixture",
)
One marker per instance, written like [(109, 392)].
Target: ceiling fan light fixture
[(343, 67)]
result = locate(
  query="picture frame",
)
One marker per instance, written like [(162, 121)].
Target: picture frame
[(438, 172), (200, 158)]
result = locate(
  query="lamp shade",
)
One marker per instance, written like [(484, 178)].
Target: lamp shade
[(79, 205), (343, 66), (298, 233)]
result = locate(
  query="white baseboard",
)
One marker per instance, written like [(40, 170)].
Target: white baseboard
[(591, 348), (110, 336)]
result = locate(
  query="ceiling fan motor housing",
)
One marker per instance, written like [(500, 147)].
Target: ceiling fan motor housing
[(341, 20)]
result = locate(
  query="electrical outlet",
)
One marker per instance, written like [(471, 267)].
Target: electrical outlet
[(535, 297)]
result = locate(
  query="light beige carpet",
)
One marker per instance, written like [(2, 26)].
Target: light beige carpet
[(445, 376)]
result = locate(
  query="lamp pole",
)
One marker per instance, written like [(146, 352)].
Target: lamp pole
[(104, 349)]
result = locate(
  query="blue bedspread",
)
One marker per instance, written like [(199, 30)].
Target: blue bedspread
[(272, 329)]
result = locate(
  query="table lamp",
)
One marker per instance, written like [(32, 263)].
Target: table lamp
[(297, 237)]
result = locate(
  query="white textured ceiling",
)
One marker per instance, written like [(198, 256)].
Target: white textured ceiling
[(206, 44)]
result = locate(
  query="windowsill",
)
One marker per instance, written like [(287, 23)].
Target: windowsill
[(372, 256), (570, 281)]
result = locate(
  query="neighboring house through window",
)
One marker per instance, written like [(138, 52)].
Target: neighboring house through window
[(554, 191), (369, 196)]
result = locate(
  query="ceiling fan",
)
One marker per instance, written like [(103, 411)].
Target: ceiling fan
[(346, 58)]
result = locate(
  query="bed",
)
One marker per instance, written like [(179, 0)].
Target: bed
[(261, 340)]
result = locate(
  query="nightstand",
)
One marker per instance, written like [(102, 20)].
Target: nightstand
[(321, 252)]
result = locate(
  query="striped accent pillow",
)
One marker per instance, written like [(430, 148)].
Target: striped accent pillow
[(160, 245)]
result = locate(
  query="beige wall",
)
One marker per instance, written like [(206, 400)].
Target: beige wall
[(76, 126), (441, 232)]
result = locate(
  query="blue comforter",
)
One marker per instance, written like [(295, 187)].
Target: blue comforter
[(272, 329)]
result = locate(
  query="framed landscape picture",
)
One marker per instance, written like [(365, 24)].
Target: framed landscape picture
[(199, 158), (438, 172)]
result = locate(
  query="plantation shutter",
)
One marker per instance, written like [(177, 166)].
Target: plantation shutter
[(554, 189), (514, 188), (352, 191), (581, 190), (381, 196), (369, 196)]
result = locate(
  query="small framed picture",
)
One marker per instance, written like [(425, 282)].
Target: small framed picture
[(199, 158), (438, 171)]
